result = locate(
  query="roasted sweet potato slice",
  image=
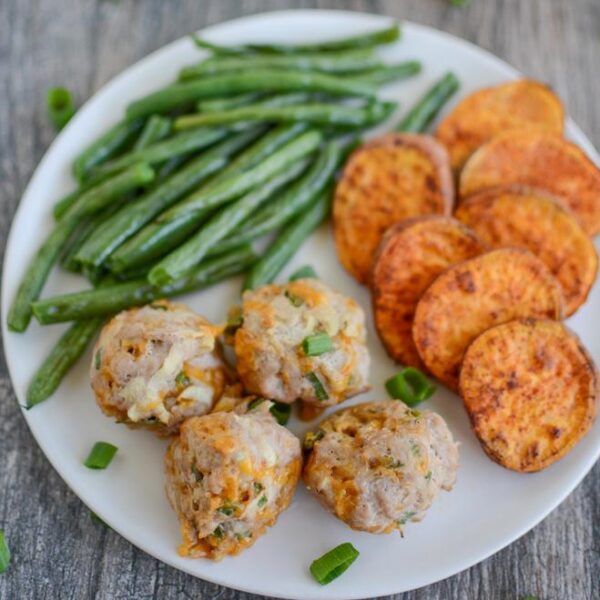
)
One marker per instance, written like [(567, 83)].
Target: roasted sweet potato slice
[(490, 111), (477, 294), (530, 218), (531, 390), (384, 181), (539, 160), (411, 255)]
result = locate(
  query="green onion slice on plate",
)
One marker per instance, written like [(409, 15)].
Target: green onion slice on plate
[(411, 386), (100, 456), (333, 563)]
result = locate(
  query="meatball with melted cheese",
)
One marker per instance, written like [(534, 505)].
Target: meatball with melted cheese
[(271, 359), (157, 365), (379, 465), (229, 476)]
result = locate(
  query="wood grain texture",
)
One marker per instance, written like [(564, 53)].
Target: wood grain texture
[(58, 552)]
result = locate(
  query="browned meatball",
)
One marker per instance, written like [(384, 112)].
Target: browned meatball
[(276, 319), (229, 476), (378, 465), (157, 365)]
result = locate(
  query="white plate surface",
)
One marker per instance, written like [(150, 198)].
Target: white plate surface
[(489, 507)]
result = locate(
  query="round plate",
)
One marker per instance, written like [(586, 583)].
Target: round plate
[(489, 507)]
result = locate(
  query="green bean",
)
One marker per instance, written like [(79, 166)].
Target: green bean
[(84, 231), (269, 102), (315, 114), (330, 62), (227, 102), (231, 188), (62, 357), (176, 145), (105, 147), (155, 129), (181, 261), (93, 274), (132, 217), (365, 40), (171, 165), (389, 73), (109, 300), (287, 243), (64, 204), (259, 80), (112, 189), (92, 201), (293, 201), (158, 238), (427, 108)]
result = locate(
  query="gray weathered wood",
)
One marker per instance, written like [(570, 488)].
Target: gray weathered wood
[(58, 552)]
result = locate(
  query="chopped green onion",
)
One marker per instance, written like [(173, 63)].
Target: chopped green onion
[(262, 501), (256, 403), (317, 344), (295, 300), (4, 553), (333, 563), (227, 509), (100, 456), (60, 106), (158, 306), (409, 514), (305, 272), (391, 463), (410, 386), (219, 532), (310, 439), (234, 323), (281, 412), (415, 448), (258, 487), (98, 359), (182, 379), (320, 391)]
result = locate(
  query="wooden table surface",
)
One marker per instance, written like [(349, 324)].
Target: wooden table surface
[(58, 552)]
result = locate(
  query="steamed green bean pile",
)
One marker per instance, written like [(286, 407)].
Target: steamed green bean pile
[(243, 144)]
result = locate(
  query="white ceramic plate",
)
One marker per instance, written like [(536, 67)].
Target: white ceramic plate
[(489, 507)]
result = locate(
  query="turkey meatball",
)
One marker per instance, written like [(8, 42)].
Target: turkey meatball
[(157, 365), (379, 465), (229, 476), (272, 359)]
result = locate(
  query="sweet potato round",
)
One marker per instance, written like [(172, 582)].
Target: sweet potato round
[(493, 110), (477, 294), (384, 181), (530, 218), (530, 389), (539, 160), (411, 255)]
